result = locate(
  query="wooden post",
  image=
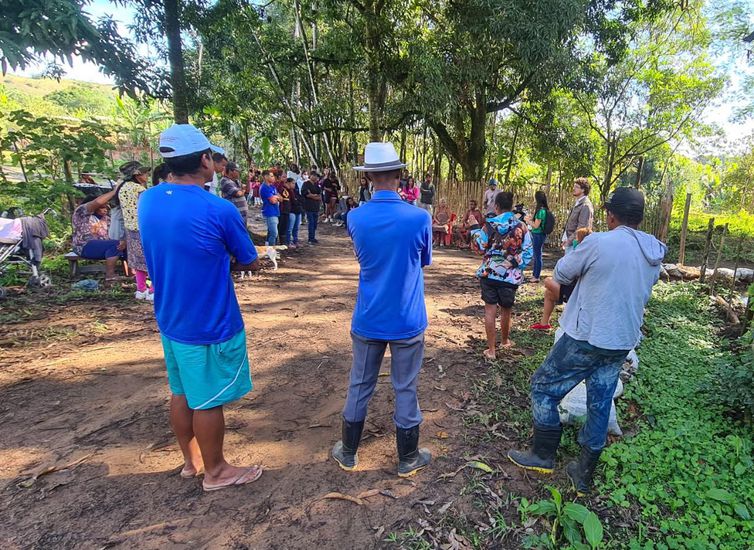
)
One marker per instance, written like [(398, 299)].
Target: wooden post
[(720, 251), (738, 260), (707, 246), (684, 229)]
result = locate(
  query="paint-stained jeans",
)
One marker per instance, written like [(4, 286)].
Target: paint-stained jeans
[(407, 357), (568, 363)]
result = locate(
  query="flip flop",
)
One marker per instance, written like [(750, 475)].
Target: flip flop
[(250, 475), (488, 357), (188, 475)]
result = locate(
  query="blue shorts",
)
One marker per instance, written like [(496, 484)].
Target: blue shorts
[(208, 375)]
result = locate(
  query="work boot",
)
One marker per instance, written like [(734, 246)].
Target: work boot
[(581, 471), (344, 451), (541, 456), (411, 459)]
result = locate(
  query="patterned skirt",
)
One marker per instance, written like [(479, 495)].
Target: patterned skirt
[(135, 251)]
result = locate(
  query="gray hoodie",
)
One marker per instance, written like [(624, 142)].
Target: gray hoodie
[(615, 271)]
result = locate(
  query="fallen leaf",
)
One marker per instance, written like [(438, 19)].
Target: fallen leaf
[(444, 507), (379, 532), (341, 496), (320, 426), (441, 435), (480, 466), (451, 407), (27, 483), (367, 494), (388, 493)]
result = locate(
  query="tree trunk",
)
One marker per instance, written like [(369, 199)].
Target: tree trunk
[(175, 56), (512, 155)]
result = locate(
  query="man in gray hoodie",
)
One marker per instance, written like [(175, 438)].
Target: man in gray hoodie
[(601, 323)]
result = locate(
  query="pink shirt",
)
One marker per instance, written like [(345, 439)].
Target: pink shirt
[(411, 194)]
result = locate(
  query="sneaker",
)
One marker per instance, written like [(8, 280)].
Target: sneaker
[(293, 245), (139, 295), (540, 326), (150, 296)]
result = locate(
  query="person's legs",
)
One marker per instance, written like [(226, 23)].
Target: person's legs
[(538, 241), (182, 422), (406, 362), (407, 356), (568, 363), (141, 280), (283, 229), (272, 230), (311, 218), (365, 368), (505, 327), (490, 318), (600, 387), (552, 291)]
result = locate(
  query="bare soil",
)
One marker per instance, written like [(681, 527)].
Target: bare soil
[(83, 392)]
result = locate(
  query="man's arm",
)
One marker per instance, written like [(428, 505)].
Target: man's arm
[(238, 242), (427, 243), (573, 265)]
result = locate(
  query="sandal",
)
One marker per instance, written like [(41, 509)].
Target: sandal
[(186, 474), (250, 475), (488, 356)]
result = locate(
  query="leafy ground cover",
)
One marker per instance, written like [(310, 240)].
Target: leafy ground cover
[(689, 466)]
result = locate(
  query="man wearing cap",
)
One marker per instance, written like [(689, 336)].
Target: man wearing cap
[(190, 239), (393, 242), (427, 193), (232, 190), (489, 197), (602, 323)]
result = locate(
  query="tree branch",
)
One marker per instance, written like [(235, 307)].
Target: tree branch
[(495, 106)]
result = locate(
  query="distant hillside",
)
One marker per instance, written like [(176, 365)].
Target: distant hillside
[(46, 96)]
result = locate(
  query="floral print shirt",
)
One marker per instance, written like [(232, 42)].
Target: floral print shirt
[(87, 227), (128, 195), (506, 244)]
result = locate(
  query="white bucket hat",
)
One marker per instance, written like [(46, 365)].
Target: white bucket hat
[(380, 157)]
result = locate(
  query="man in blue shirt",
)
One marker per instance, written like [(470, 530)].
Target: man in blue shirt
[(270, 205), (393, 242), (190, 239)]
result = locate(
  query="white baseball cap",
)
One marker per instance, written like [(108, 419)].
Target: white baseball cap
[(184, 139)]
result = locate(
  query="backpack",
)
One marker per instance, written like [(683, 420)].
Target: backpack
[(549, 224)]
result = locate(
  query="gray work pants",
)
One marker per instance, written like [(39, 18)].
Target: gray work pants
[(407, 357)]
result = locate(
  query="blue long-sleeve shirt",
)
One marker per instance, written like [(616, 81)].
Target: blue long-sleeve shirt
[(506, 253)]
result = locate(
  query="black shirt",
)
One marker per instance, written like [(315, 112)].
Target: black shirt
[(311, 205)]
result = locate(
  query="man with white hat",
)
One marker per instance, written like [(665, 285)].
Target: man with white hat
[(190, 238), (393, 242)]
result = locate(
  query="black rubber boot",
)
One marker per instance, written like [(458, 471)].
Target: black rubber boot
[(411, 459), (541, 456), (344, 451), (581, 471)]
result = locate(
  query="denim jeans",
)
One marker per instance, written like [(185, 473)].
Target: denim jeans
[(311, 224), (537, 241), (406, 362), (294, 221), (569, 362), (272, 230)]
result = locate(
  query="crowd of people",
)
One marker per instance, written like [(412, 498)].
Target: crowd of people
[(194, 219)]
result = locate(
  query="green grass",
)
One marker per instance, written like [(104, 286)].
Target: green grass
[(689, 467)]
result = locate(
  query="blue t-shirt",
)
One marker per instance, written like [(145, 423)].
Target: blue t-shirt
[(393, 241), (269, 210), (188, 237)]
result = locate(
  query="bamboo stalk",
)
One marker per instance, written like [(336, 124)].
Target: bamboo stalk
[(707, 246)]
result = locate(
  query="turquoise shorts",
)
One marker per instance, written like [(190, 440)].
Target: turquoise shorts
[(211, 375)]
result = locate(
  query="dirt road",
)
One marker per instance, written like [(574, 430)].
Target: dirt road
[(83, 385)]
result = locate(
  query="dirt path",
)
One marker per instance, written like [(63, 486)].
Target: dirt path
[(84, 381)]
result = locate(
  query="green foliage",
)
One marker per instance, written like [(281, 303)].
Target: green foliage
[(732, 385), (573, 525), (686, 468)]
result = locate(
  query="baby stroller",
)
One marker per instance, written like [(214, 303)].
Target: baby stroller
[(21, 243)]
